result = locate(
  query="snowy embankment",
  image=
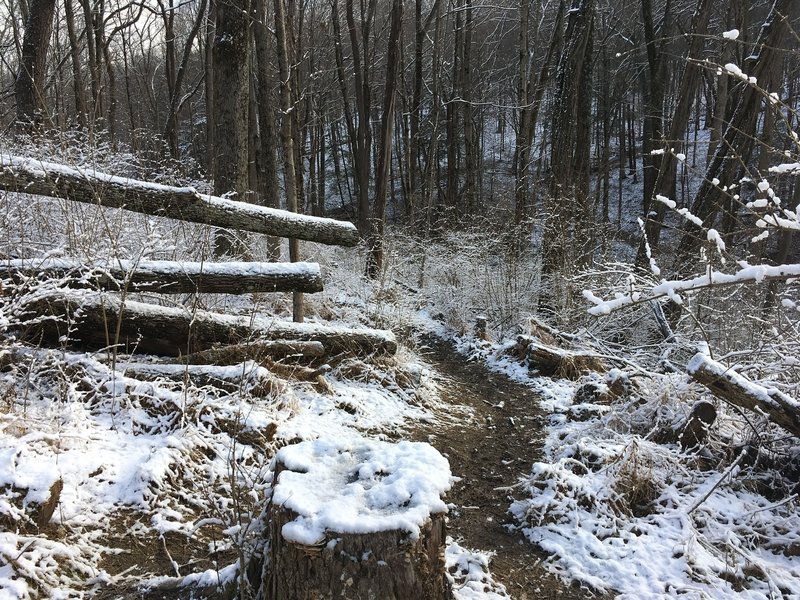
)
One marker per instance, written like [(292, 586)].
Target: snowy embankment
[(623, 509), (178, 467)]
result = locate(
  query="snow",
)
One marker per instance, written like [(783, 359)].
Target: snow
[(792, 168), (161, 267), (359, 486), (671, 289), (48, 170), (712, 235), (468, 571), (731, 34), (734, 70)]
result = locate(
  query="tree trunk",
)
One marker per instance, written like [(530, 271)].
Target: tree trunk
[(362, 144), (653, 99), (75, 57), (231, 106), (739, 134), (689, 81), (565, 233), (266, 163), (29, 87), (175, 79), (287, 139), (375, 258)]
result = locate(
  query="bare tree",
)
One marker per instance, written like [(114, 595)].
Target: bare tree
[(231, 103), (375, 258), (29, 88)]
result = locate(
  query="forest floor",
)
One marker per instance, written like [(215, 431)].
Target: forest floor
[(489, 449), (491, 434)]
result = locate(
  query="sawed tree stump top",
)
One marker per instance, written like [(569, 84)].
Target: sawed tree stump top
[(358, 519)]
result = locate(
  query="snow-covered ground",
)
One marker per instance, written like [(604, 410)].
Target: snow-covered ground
[(160, 481), (622, 508)]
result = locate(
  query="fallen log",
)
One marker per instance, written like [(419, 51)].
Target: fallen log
[(92, 319), (551, 361), (29, 176), (171, 277), (736, 389), (356, 519), (245, 375), (255, 351)]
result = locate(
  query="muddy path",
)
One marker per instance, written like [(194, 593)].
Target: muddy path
[(491, 449)]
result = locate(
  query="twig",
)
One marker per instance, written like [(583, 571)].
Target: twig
[(721, 479)]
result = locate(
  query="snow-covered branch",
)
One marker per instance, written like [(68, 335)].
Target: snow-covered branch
[(732, 387), (672, 289)]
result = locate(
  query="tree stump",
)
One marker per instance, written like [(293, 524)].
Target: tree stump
[(357, 520), (695, 430)]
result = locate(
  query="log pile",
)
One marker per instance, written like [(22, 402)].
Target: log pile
[(95, 320)]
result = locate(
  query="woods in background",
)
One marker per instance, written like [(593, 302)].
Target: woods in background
[(538, 112)]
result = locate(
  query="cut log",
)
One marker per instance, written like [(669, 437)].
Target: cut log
[(359, 520), (549, 360), (90, 319), (171, 277), (29, 176), (695, 430), (736, 389)]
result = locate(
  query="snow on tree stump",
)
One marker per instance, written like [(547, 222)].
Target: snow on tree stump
[(357, 520)]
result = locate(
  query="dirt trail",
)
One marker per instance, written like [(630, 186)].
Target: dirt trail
[(490, 450)]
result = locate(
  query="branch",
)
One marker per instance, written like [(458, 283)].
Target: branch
[(671, 289), (736, 389)]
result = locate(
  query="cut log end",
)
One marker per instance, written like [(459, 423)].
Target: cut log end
[(695, 430)]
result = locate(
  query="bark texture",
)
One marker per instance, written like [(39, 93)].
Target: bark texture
[(187, 204), (29, 87)]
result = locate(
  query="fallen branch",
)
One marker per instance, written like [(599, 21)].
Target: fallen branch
[(171, 277), (736, 389), (29, 176), (90, 319)]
